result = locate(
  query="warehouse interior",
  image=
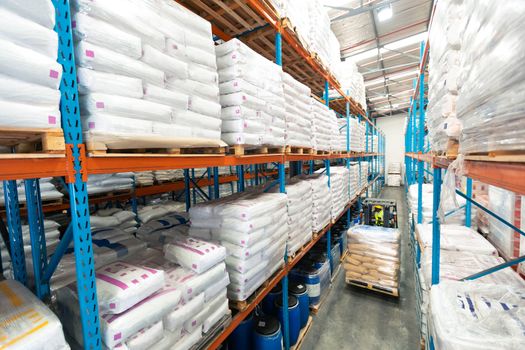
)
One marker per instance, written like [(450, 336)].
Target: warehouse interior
[(262, 174)]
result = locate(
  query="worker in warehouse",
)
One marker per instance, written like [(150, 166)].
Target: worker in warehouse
[(378, 215)]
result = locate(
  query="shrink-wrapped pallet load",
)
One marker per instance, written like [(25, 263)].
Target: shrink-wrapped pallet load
[(374, 257), (147, 75), (324, 125), (321, 201), (251, 96), (48, 191), (339, 189)]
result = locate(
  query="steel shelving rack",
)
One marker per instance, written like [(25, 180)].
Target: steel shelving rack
[(505, 173), (75, 167)]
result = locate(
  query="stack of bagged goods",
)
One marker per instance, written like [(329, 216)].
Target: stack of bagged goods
[(357, 140), (27, 323), (298, 113), (476, 315), (372, 143), (251, 96), (363, 176), (158, 208), (354, 179), (339, 136), (444, 70), (455, 215), (167, 175), (29, 73), (202, 278), (506, 205), (352, 82), (48, 191), (109, 245), (480, 193), (394, 174), (489, 122), (144, 178), (156, 232), (253, 227), (147, 75), (101, 183), (299, 208), (124, 220), (374, 257), (324, 125), (339, 189), (132, 298), (321, 201)]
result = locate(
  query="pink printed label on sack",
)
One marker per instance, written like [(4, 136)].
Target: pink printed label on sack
[(51, 119), (100, 104), (234, 56), (112, 305), (244, 97), (245, 124), (175, 46), (194, 266), (111, 280), (235, 83), (74, 24), (238, 111), (91, 125), (117, 336), (53, 74), (90, 53)]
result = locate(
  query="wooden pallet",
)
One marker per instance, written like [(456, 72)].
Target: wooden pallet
[(499, 156), (299, 150), (25, 140), (394, 292), (451, 151), (241, 150), (291, 257), (154, 152), (315, 308), (302, 334), (319, 152), (241, 305)]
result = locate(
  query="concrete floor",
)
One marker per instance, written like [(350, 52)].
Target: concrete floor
[(355, 318)]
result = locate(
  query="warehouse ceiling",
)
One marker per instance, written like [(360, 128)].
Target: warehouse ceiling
[(386, 50)]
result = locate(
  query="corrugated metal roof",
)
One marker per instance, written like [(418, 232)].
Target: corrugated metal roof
[(388, 72)]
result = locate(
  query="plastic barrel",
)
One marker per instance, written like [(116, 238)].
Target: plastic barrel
[(313, 284), (298, 290), (241, 337), (268, 303), (318, 260), (267, 333), (294, 316)]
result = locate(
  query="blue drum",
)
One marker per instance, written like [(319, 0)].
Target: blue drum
[(268, 303), (241, 337), (312, 281), (267, 334), (294, 317), (298, 290)]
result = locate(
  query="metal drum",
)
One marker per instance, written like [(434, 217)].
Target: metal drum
[(298, 290), (267, 334), (268, 303), (241, 337), (294, 316)]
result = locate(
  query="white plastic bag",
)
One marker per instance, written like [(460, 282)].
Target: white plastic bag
[(176, 318), (40, 11), (146, 337), (90, 80), (194, 254), (168, 64)]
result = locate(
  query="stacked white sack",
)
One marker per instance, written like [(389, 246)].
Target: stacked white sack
[(357, 139), (299, 208), (352, 82), (488, 82), (321, 200), (339, 188), (354, 179), (298, 113), (147, 74), (29, 73), (6, 260), (502, 203), (457, 216), (156, 232), (252, 96), (363, 174), (167, 175), (253, 228), (324, 125), (203, 279), (144, 178), (48, 191), (101, 183), (124, 220), (373, 144), (133, 300), (26, 322), (159, 208), (476, 315)]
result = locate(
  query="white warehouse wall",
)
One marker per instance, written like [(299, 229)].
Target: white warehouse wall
[(395, 139)]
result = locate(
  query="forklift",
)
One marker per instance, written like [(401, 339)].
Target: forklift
[(379, 212)]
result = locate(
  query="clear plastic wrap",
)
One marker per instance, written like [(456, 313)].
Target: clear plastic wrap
[(103, 34), (168, 64), (107, 83), (40, 11), (28, 34), (26, 115)]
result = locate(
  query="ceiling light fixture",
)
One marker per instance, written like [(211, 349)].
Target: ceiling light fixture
[(384, 13)]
